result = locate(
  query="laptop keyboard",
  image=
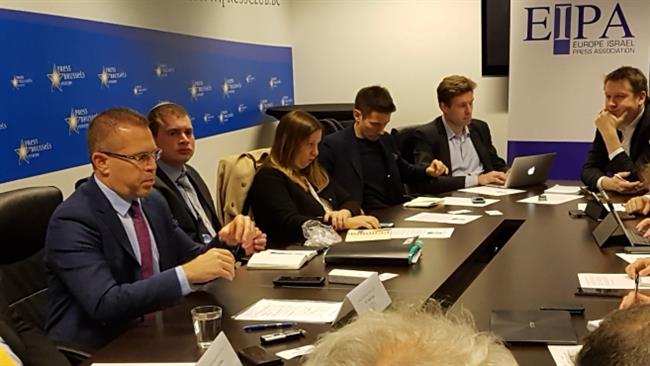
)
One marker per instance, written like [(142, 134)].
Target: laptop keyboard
[(636, 237)]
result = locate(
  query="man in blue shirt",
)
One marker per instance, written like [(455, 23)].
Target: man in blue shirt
[(462, 143), (113, 249)]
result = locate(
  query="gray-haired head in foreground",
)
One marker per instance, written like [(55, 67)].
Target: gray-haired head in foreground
[(622, 339), (410, 336)]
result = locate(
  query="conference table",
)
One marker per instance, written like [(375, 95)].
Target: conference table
[(526, 258)]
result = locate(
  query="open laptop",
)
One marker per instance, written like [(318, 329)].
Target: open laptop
[(529, 170), (612, 222)]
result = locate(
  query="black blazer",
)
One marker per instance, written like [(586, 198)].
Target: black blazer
[(598, 164), (339, 154), (182, 213), (431, 142), (280, 206), (26, 341)]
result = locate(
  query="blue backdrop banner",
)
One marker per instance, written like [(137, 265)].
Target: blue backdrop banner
[(57, 73)]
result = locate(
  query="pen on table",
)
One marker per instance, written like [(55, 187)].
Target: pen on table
[(636, 285), (281, 325)]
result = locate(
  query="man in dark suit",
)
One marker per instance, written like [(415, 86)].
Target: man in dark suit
[(365, 161), (621, 145), (462, 143), (184, 190), (22, 343), (114, 251)]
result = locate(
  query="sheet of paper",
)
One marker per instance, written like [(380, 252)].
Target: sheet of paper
[(295, 352), (399, 233), (616, 281), (220, 353), (387, 276), (422, 232), (617, 206), (442, 218), (491, 191), (304, 311), (459, 212), (630, 258), (551, 199), (423, 202), (364, 235), (493, 213), (564, 355), (466, 201), (560, 189)]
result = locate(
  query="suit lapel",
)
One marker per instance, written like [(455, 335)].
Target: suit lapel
[(156, 222), (355, 155), (444, 154), (165, 181), (203, 193), (108, 215)]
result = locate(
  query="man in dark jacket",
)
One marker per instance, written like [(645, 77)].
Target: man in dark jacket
[(462, 143)]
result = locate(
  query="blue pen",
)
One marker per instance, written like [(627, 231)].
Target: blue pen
[(264, 326)]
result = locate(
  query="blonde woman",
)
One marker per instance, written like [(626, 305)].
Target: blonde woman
[(292, 187)]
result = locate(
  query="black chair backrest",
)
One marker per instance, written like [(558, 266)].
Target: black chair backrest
[(330, 125), (403, 137), (24, 216)]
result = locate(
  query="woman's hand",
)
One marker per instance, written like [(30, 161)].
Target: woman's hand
[(362, 222), (337, 218)]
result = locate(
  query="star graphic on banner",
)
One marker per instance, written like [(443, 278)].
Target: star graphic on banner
[(194, 91), (22, 152), (225, 88), (206, 117), (73, 122), (14, 82), (222, 116), (272, 83), (135, 90), (260, 106), (55, 78), (158, 71), (103, 78), (249, 78)]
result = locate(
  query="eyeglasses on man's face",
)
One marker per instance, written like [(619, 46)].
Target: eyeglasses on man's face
[(138, 158)]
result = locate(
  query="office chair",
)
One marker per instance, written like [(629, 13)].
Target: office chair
[(24, 216), (404, 139)]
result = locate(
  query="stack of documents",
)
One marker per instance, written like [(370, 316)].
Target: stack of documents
[(280, 259), (423, 202)]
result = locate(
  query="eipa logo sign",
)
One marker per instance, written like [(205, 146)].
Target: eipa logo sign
[(585, 29)]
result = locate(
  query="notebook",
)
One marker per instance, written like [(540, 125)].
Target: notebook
[(280, 259)]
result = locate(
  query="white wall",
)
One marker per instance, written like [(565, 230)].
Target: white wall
[(407, 46), (339, 46), (245, 23)]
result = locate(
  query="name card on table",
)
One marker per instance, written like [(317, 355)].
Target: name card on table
[(369, 295), (220, 353)]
